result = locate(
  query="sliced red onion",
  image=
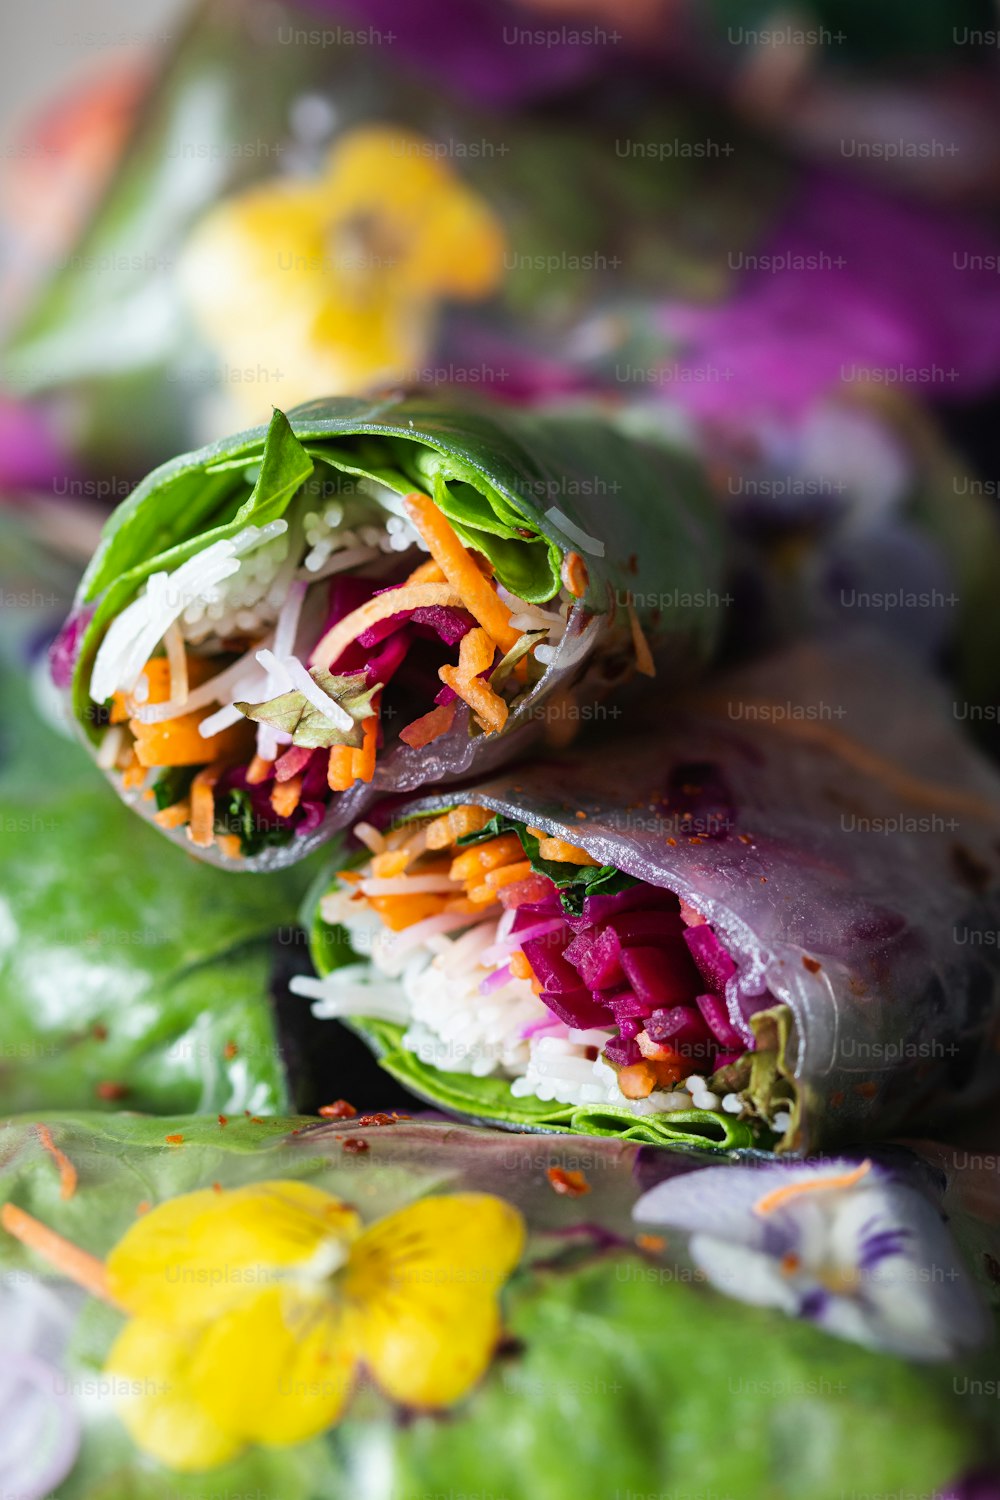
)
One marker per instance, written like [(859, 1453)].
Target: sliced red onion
[(496, 980)]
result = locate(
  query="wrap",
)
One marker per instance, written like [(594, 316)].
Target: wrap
[(771, 920), (577, 1338), (262, 644)]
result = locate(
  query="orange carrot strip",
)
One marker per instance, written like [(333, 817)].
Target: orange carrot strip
[(574, 575), (520, 967), (392, 862), (75, 1264), (364, 759), (398, 912), (428, 572), (488, 706), (259, 770), (340, 768), (480, 599), (473, 863), (410, 596), (481, 895), (465, 906), (643, 656), (201, 829), (67, 1171), (133, 774), (568, 854), (430, 727), (286, 796), (175, 816), (177, 742), (496, 879), (779, 1196), (475, 653), (229, 843), (455, 824)]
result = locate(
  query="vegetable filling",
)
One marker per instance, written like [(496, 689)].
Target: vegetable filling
[(505, 951), (270, 672)]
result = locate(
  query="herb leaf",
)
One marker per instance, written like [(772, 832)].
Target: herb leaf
[(573, 882), (296, 715)]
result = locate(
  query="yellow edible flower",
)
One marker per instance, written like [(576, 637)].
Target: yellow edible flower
[(252, 1310), (329, 285)]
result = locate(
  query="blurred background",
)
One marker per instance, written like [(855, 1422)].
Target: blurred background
[(770, 234)]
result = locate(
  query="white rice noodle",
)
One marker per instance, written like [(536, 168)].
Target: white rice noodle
[(111, 744), (591, 544), (571, 649), (134, 634), (352, 991), (218, 689), (177, 662)]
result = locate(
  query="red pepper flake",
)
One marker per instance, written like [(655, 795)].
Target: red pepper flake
[(653, 1244), (579, 814), (216, 1187), (866, 1090), (811, 965), (354, 1144), (672, 843), (223, 1119), (173, 1140), (696, 840), (256, 1120), (763, 880), (67, 1171), (744, 838), (99, 1032), (837, 1099), (143, 1207), (338, 1110), (567, 1184), (379, 1119), (229, 1051), (109, 1090)]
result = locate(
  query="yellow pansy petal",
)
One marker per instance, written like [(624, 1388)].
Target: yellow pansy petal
[(149, 1365), (278, 1369), (194, 1256), (422, 1286), (460, 253)]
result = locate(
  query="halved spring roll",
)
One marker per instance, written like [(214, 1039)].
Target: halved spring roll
[(373, 598), (770, 921)]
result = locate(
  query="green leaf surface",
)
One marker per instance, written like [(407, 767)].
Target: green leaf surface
[(621, 1373), (296, 715), (125, 962)]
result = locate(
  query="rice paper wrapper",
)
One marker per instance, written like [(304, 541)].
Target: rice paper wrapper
[(652, 541), (842, 841), (602, 1320)]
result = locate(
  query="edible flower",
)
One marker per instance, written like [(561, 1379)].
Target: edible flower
[(334, 283), (252, 1310), (844, 1245)]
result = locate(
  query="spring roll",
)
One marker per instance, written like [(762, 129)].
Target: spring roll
[(371, 598), (770, 921)]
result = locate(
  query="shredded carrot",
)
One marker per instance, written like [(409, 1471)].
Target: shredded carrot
[(507, 875), (392, 862), (286, 796), (340, 768), (259, 770), (75, 1264), (363, 760), (229, 843), (133, 773), (393, 602), (429, 727), (398, 912), (474, 863), (637, 1081), (488, 706), (201, 829), (481, 895), (520, 967), (564, 853), (574, 575), (175, 816), (177, 742), (475, 653), (427, 572), (67, 1171), (643, 656), (482, 601), (778, 1197), (466, 907), (455, 824)]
